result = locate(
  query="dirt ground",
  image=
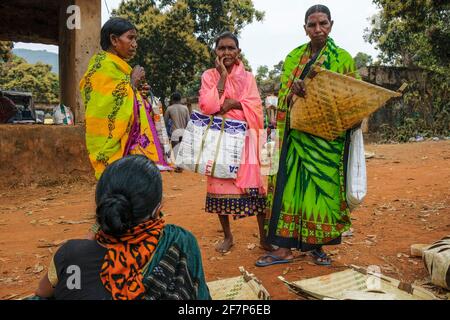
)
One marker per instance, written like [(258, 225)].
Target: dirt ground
[(408, 202)]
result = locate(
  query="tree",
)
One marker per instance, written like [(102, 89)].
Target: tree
[(213, 17), (17, 74), (5, 51), (176, 38), (261, 74), (269, 80), (412, 33), (362, 60), (416, 33), (168, 49), (275, 73)]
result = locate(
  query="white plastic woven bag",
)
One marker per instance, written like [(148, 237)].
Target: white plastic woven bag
[(356, 170), (212, 146)]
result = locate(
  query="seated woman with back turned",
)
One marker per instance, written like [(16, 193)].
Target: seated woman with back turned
[(134, 255)]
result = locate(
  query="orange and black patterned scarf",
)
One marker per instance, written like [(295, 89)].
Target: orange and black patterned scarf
[(121, 272)]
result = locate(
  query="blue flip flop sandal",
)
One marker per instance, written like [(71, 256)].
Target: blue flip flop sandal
[(276, 260), (321, 258)]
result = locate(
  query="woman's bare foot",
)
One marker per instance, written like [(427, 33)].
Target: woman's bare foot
[(225, 245)]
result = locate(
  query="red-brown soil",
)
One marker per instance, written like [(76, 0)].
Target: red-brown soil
[(408, 202)]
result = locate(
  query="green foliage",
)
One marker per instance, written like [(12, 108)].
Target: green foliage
[(213, 17), (413, 32), (269, 80), (176, 38), (261, 74), (424, 110), (5, 50), (416, 33), (167, 47), (17, 74), (362, 60)]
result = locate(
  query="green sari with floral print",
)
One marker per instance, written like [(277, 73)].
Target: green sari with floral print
[(306, 199)]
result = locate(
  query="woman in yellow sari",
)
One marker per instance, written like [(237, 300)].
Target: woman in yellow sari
[(118, 114)]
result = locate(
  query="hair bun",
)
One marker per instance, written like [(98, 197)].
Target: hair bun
[(113, 214)]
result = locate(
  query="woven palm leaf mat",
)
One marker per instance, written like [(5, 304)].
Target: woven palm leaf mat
[(335, 103), (357, 284), (244, 287)]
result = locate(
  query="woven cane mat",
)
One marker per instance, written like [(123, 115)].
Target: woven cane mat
[(335, 103), (244, 287), (357, 284)]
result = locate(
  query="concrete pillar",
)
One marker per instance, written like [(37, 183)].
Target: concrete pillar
[(76, 47)]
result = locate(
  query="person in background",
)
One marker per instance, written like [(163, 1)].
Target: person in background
[(270, 104), (178, 115)]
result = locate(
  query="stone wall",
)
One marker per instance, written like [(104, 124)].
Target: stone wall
[(392, 78)]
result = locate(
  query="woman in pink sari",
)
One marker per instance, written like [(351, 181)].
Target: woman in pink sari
[(230, 91)]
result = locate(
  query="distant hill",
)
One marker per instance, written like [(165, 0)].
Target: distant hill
[(34, 56)]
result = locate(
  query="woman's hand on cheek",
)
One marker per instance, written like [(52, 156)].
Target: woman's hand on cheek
[(137, 75), (221, 67)]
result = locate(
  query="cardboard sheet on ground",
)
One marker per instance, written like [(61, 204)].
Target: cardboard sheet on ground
[(357, 284), (335, 103), (244, 287)]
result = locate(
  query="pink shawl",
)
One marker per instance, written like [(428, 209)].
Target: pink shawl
[(241, 86)]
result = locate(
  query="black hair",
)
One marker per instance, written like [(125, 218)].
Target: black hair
[(127, 194), (318, 8), (175, 97), (116, 26), (227, 35)]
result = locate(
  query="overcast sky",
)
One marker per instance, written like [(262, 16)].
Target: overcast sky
[(269, 41)]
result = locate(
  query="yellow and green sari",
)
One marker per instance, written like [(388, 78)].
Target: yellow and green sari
[(306, 199), (118, 120)]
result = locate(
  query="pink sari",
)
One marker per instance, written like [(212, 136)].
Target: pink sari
[(241, 86)]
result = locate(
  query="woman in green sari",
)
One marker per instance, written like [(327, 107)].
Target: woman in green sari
[(307, 207)]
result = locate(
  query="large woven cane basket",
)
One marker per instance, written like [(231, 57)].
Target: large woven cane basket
[(335, 103)]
